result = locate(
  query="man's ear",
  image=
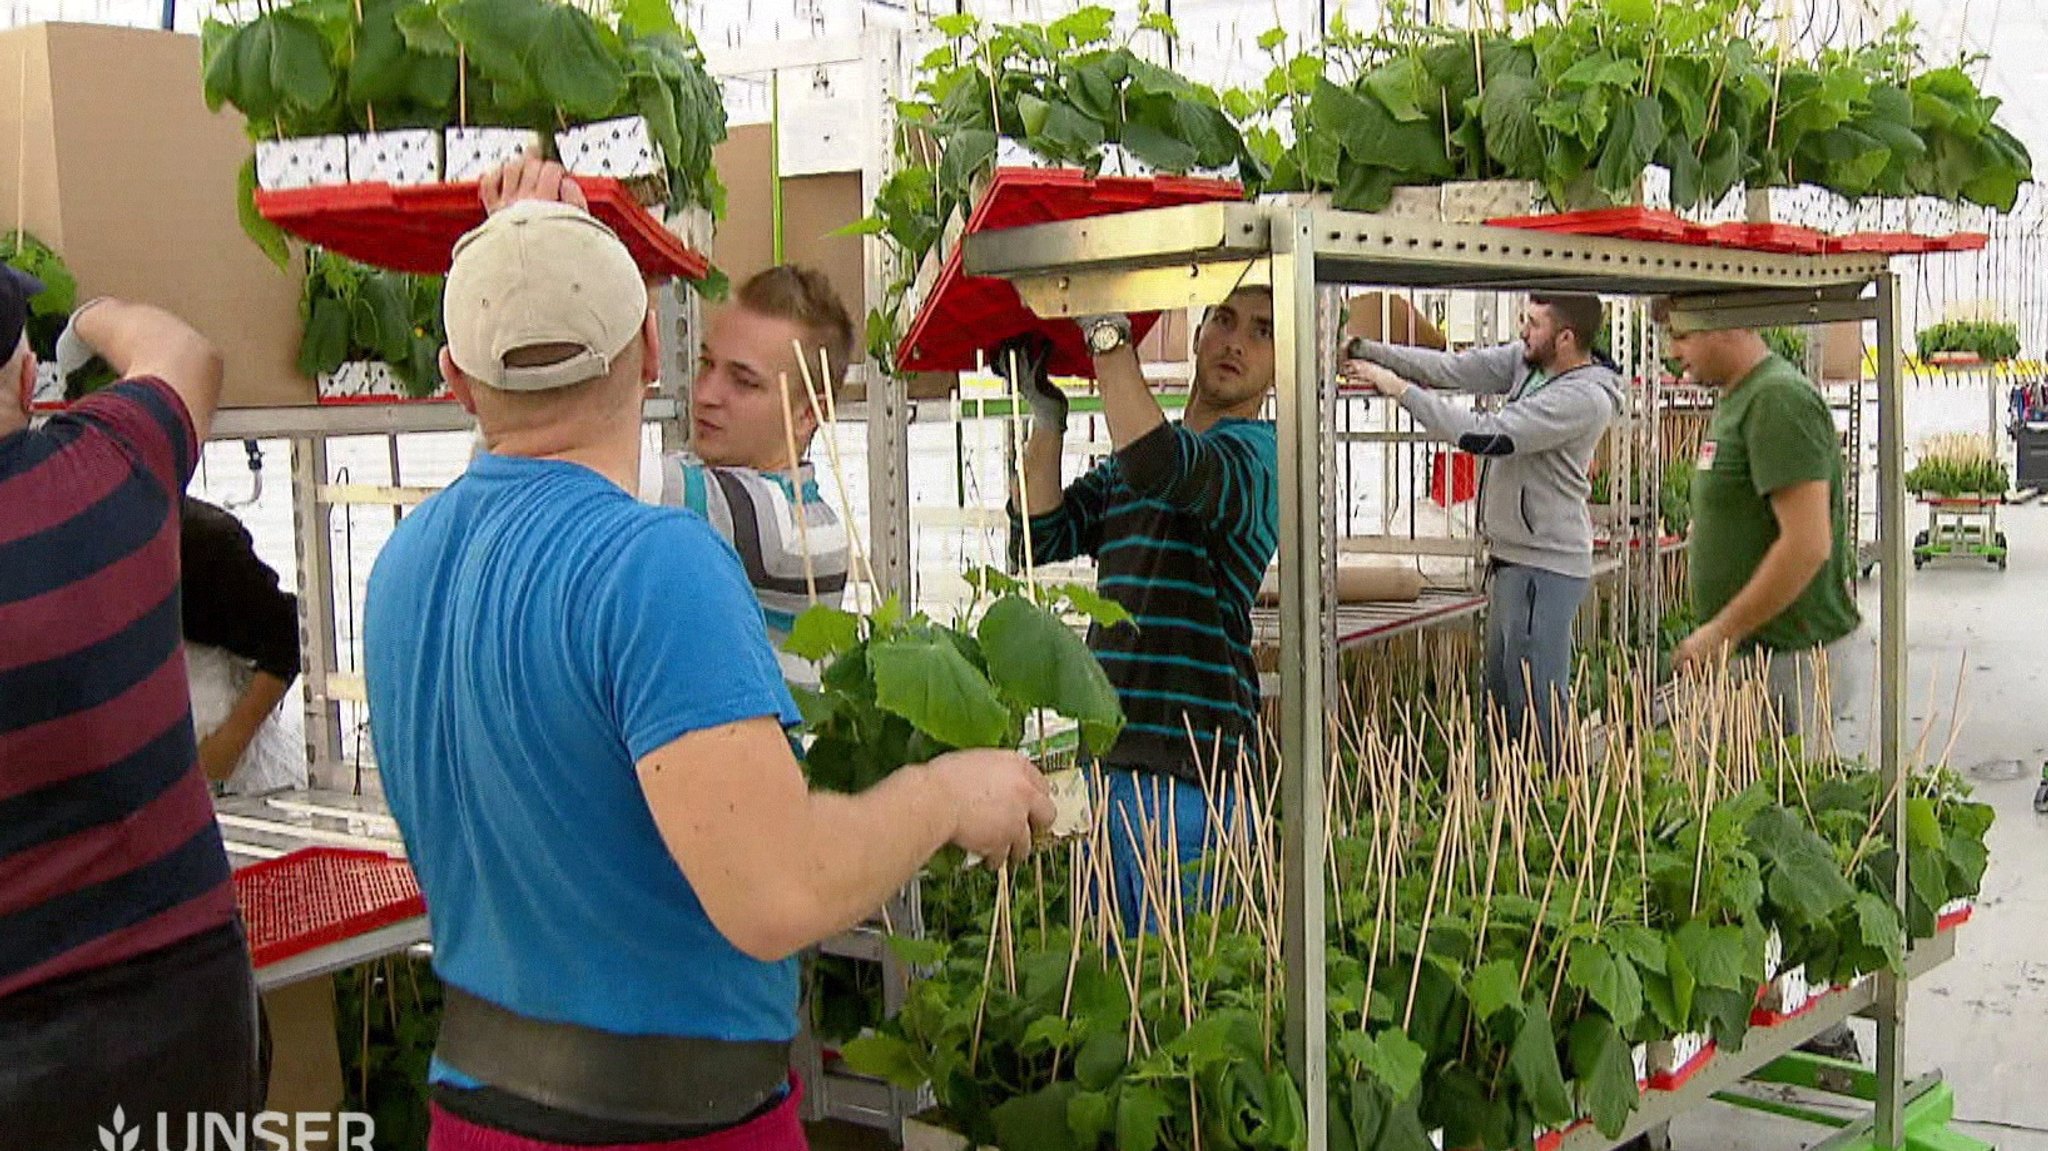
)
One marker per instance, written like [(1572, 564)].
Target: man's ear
[(458, 384), (650, 336), (27, 382)]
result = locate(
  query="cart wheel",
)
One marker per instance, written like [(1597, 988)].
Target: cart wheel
[(2001, 563), (1920, 540), (2001, 539), (1919, 562)]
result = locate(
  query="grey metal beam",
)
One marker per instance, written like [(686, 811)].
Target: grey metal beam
[(315, 555), (1891, 655), (363, 420), (1761, 1046), (1302, 665), (1686, 317), (1185, 235)]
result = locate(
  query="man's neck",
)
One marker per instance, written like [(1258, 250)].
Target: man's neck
[(615, 457), (1745, 366), (1203, 414), (1559, 365)]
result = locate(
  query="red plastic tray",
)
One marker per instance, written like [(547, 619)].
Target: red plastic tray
[(321, 895), (1883, 243), (414, 229), (965, 315), (1787, 238), (1959, 242), (1614, 223)]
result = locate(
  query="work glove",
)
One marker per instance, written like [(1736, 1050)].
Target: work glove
[(73, 352), (1029, 356)]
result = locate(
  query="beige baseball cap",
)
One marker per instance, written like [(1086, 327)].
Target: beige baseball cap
[(538, 273)]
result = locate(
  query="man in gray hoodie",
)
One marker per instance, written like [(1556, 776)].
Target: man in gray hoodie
[(1533, 487)]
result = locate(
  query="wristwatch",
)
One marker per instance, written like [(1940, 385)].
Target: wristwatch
[(1105, 334)]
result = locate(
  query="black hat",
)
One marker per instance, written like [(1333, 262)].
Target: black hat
[(16, 289)]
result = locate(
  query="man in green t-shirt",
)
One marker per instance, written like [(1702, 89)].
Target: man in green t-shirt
[(1771, 555)]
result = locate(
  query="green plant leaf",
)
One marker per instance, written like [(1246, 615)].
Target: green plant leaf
[(1877, 924), (1140, 1112), (1036, 1122), (1157, 148), (967, 153), (1514, 139), (572, 66), (301, 71), (1091, 1116), (1602, 69), (424, 32), (1713, 955), (884, 1057), (1610, 981), (822, 631), (1632, 139), (268, 237), (1100, 1060), (1533, 1060), (1803, 878), (1397, 86), (1605, 1073), (1395, 1060), (323, 347), (1495, 985), (649, 18), (928, 682), (1037, 661)]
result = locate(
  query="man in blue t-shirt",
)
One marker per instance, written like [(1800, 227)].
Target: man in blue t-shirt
[(581, 730)]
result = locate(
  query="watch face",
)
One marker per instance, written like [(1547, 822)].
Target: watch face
[(1104, 338)]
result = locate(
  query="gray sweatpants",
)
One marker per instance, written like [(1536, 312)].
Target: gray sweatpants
[(1839, 721), (1529, 645)]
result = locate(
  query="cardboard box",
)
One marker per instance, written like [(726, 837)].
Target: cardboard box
[(1390, 320), (132, 181)]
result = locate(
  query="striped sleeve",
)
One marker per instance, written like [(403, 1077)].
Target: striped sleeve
[(1224, 476), (148, 420), (1070, 530)]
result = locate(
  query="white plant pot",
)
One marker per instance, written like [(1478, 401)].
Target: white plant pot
[(1468, 201), (1932, 217), (1640, 1053), (1774, 953), (622, 149), (921, 1134), (471, 152), (1669, 1056), (49, 385), (1806, 206), (360, 380), (402, 159), (304, 162), (1788, 994)]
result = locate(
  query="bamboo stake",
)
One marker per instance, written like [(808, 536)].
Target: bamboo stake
[(814, 390), (803, 526)]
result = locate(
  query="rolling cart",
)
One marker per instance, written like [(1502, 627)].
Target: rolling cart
[(1964, 526)]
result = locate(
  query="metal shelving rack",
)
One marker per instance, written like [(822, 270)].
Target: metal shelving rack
[(1192, 256)]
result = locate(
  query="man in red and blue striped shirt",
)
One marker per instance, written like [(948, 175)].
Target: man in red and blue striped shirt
[(124, 977)]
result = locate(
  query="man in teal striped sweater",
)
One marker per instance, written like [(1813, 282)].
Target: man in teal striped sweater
[(1182, 521)]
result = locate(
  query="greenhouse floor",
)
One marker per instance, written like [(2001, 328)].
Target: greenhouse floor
[(1983, 1018)]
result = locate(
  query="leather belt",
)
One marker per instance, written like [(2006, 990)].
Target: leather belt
[(651, 1079)]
